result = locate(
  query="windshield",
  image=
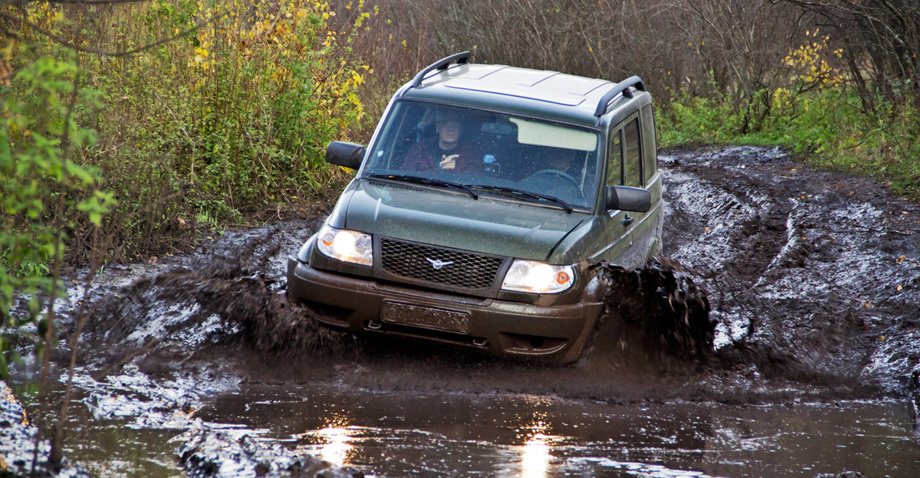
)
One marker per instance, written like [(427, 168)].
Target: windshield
[(493, 153)]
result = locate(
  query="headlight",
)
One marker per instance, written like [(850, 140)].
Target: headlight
[(345, 245), (538, 277)]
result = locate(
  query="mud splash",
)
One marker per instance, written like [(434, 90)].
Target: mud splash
[(664, 305)]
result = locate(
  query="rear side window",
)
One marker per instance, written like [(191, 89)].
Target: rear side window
[(649, 148), (615, 160), (632, 159)]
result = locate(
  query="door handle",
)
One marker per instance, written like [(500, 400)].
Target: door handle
[(627, 220)]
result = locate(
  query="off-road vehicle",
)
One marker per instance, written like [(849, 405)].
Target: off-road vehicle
[(486, 194)]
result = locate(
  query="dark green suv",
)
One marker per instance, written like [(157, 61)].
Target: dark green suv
[(486, 194)]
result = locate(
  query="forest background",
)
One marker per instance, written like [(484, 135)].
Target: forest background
[(130, 129)]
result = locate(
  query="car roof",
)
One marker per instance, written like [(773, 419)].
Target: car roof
[(542, 93)]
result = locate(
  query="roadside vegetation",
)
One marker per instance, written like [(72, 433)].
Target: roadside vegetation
[(133, 128)]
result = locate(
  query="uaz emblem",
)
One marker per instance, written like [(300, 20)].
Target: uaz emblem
[(438, 263)]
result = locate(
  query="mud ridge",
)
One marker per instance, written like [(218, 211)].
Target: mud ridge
[(812, 276), (225, 296)]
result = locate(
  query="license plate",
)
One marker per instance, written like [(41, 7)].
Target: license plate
[(405, 314)]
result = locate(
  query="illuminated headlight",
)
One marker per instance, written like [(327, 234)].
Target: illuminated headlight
[(345, 245), (538, 277)]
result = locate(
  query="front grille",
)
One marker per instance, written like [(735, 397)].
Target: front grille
[(414, 261)]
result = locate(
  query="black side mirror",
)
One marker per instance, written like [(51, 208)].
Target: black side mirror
[(345, 154), (628, 199)]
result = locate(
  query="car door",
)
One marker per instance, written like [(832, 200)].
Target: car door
[(624, 167), (647, 227), (616, 224)]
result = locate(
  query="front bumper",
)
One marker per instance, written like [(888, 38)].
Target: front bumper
[(553, 332)]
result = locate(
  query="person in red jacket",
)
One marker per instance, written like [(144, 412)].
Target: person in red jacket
[(444, 152)]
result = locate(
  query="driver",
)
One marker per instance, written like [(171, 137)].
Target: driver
[(445, 151)]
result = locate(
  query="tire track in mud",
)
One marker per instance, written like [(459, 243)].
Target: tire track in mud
[(812, 275)]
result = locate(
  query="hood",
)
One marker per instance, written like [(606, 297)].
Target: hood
[(454, 219)]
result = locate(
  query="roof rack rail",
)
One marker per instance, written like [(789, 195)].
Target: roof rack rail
[(442, 64), (621, 87)]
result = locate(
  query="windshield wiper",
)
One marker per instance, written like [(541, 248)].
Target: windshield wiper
[(426, 181), (517, 192)]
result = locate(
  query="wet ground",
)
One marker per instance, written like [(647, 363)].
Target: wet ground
[(197, 365)]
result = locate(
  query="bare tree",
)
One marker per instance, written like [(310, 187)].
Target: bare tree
[(711, 48), (880, 40)]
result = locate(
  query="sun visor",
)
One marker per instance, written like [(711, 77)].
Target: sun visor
[(543, 134)]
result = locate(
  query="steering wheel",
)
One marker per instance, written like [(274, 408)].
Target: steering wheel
[(556, 173), (568, 190)]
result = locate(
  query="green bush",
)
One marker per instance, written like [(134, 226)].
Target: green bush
[(827, 125), (44, 194), (229, 119), (245, 107)]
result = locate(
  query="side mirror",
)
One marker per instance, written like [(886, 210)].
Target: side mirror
[(345, 154), (628, 199)]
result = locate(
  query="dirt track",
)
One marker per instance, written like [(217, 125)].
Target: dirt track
[(813, 278), (822, 268)]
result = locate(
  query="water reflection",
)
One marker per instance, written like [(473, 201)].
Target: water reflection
[(535, 457), (336, 446), (454, 436), (536, 453)]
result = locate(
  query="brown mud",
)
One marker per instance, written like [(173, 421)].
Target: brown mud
[(777, 284), (811, 276)]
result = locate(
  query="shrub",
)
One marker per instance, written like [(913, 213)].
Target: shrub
[(227, 119), (44, 195)]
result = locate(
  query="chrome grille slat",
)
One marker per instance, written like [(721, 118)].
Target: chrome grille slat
[(411, 261)]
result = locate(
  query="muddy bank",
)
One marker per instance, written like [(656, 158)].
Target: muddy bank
[(813, 276), (18, 445)]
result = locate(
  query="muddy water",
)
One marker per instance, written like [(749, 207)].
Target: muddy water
[(538, 436), (199, 366), (392, 434)]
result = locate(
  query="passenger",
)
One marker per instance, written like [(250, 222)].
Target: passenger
[(444, 151)]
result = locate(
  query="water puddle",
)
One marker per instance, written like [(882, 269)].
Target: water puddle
[(456, 435), (435, 434)]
